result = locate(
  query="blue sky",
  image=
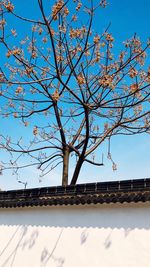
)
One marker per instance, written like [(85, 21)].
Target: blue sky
[(131, 154), (127, 17)]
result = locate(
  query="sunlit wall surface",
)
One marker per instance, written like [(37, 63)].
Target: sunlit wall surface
[(115, 235)]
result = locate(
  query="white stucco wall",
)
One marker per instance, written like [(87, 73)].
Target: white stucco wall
[(79, 236)]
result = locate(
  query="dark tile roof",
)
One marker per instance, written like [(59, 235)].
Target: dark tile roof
[(137, 190)]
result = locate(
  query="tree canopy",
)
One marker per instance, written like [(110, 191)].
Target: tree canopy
[(64, 75)]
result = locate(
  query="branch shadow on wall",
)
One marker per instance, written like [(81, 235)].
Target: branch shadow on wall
[(19, 241)]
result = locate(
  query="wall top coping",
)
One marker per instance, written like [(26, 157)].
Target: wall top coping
[(136, 190)]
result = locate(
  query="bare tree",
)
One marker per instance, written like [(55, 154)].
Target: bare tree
[(63, 75)]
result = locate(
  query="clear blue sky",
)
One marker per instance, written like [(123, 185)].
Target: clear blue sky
[(132, 155)]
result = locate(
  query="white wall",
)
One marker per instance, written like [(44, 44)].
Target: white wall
[(79, 236)]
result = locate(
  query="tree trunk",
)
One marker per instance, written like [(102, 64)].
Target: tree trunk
[(65, 167), (77, 171)]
